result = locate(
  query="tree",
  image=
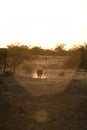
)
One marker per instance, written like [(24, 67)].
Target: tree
[(16, 55), (3, 59), (60, 49), (36, 51), (74, 58), (83, 50)]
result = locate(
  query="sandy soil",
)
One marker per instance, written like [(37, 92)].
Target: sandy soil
[(50, 83), (42, 104), (38, 87)]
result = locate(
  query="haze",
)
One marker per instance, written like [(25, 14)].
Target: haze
[(43, 23)]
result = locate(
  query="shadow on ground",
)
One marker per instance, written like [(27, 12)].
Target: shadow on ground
[(19, 110)]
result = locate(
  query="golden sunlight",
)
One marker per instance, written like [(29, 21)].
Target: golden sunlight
[(37, 25)]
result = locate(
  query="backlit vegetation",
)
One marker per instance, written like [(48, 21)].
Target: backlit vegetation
[(15, 54)]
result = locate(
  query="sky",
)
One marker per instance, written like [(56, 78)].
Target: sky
[(43, 23)]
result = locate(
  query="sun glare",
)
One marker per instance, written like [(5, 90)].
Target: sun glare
[(44, 23)]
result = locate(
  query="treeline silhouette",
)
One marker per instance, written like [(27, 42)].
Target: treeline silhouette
[(12, 56)]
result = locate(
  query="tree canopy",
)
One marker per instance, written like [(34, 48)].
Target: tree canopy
[(12, 56)]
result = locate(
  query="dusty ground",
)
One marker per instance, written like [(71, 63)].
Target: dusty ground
[(37, 104)]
